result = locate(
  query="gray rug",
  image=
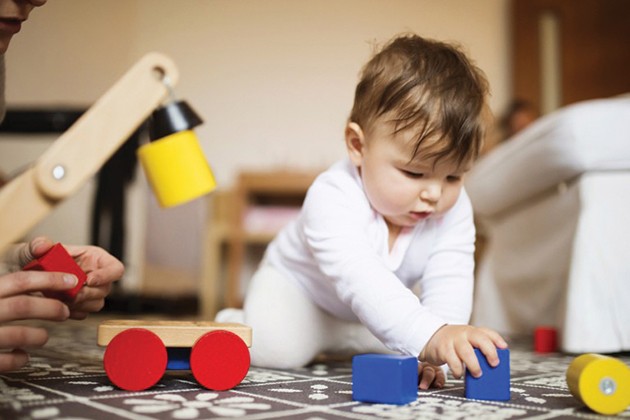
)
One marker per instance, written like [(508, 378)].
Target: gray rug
[(65, 380)]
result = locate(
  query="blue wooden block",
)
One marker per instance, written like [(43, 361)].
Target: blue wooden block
[(494, 383), (178, 358), (384, 378)]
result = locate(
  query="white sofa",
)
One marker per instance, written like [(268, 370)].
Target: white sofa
[(554, 204)]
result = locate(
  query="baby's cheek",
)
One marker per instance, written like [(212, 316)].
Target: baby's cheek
[(396, 202), (449, 198)]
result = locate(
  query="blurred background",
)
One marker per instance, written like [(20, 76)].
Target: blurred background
[(274, 82)]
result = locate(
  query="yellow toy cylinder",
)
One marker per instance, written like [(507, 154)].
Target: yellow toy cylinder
[(176, 168), (602, 383)]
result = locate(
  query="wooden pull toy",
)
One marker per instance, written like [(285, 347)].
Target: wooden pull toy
[(139, 352)]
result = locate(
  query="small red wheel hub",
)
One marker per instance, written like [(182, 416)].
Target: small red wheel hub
[(219, 360), (135, 359)]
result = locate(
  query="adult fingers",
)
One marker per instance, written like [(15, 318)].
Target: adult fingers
[(34, 249), (12, 255), (20, 336), (14, 360), (88, 306), (93, 293), (101, 267), (35, 281), (90, 299), (108, 273), (38, 247), (78, 315), (32, 307)]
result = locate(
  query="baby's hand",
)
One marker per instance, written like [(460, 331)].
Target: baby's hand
[(453, 344), (430, 376)]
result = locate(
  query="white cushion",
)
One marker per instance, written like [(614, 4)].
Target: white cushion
[(562, 261), (587, 136)]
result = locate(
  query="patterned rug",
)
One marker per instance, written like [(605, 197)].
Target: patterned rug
[(65, 380)]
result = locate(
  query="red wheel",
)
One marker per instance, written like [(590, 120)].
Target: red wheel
[(219, 360), (135, 359)]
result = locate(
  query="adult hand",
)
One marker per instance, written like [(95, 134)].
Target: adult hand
[(19, 300), (102, 270)]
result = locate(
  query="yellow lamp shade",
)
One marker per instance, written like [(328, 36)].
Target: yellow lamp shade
[(176, 168)]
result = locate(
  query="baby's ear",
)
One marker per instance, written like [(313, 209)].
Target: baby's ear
[(355, 143)]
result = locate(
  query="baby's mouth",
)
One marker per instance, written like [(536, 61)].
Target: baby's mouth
[(421, 214)]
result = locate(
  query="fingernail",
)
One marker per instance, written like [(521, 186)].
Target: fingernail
[(70, 280)]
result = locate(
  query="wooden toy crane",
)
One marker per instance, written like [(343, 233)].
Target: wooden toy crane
[(175, 165), (137, 353)]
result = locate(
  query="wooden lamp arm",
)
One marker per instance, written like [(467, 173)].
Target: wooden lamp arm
[(82, 150)]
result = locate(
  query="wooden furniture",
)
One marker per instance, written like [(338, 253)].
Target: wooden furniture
[(229, 235)]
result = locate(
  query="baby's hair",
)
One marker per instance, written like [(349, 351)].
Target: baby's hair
[(431, 85)]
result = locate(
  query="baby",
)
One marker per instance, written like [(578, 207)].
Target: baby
[(381, 257)]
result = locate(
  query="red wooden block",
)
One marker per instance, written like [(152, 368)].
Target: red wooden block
[(57, 259), (135, 359), (219, 360), (545, 340)]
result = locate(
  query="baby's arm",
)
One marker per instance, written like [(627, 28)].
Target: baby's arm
[(340, 238), (454, 344)]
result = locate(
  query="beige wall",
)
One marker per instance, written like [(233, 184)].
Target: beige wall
[(273, 79)]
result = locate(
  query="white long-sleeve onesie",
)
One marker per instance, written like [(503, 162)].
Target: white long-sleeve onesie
[(337, 252)]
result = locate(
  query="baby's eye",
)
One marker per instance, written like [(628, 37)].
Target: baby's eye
[(412, 174), (453, 178)]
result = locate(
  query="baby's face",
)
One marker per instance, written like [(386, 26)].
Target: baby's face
[(406, 192)]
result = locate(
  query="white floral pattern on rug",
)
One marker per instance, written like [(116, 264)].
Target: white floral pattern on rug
[(16, 396), (439, 408), (200, 406)]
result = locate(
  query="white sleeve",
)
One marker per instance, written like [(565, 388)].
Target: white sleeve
[(446, 287), (335, 221)]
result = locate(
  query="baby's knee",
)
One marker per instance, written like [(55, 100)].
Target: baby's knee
[(280, 353)]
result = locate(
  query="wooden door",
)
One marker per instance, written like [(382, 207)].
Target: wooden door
[(566, 51)]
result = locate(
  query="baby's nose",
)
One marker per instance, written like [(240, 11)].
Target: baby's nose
[(431, 192)]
